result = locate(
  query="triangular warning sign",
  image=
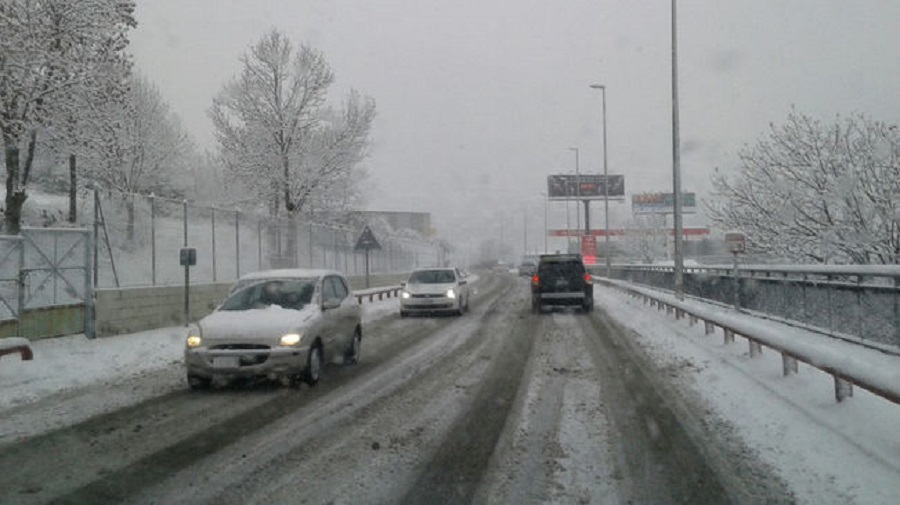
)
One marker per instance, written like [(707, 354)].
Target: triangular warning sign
[(366, 240)]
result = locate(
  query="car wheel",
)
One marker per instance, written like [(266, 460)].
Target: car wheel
[(313, 366), (197, 382), (467, 304), (587, 306), (459, 309), (535, 306), (351, 355), (403, 313)]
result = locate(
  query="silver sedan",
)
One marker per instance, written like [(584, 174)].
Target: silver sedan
[(277, 324)]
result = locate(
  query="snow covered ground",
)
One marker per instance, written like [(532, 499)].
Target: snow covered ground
[(827, 452)]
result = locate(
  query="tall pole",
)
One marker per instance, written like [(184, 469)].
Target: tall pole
[(602, 89), (605, 189), (545, 222), (676, 164), (525, 231), (577, 199)]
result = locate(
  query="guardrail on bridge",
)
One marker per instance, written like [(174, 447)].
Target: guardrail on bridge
[(871, 369)]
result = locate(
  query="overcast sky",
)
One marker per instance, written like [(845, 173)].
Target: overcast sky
[(479, 100)]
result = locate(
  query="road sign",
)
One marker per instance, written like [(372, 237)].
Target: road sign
[(584, 186), (367, 241), (662, 203)]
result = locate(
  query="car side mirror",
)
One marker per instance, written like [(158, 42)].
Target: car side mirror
[(402, 284), (331, 304), (462, 282)]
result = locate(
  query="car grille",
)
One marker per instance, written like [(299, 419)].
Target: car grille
[(240, 346), (427, 295), (247, 359)]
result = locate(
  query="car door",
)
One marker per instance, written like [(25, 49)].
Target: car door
[(348, 312), (339, 318)]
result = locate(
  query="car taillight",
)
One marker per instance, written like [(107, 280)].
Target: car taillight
[(587, 278), (535, 280)]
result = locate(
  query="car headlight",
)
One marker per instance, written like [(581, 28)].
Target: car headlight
[(404, 295), (290, 339), (451, 293), (193, 337)]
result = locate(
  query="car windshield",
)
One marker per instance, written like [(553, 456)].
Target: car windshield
[(432, 277), (288, 293)]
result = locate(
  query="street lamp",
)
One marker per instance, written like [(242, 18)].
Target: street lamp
[(577, 195), (676, 167), (545, 221), (602, 88)]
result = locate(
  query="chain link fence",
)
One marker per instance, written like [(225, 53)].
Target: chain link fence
[(139, 238)]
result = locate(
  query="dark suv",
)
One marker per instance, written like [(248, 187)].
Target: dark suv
[(561, 280)]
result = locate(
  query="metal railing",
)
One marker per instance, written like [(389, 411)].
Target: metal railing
[(846, 373), (859, 303)]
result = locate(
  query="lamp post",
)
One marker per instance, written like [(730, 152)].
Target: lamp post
[(577, 195), (602, 89), (545, 221), (676, 166)]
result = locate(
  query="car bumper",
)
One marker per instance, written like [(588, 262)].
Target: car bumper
[(573, 298), (429, 305), (279, 361)]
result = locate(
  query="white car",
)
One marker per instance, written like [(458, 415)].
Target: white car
[(434, 290), (276, 324)]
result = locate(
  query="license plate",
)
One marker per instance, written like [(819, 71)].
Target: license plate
[(226, 361), (562, 283)]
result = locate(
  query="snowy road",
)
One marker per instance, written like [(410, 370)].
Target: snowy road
[(498, 406)]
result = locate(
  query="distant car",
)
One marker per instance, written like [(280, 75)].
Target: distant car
[(527, 268), (276, 324), (561, 280), (434, 290)]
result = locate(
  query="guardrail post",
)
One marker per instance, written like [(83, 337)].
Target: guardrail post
[(679, 314), (708, 327), (755, 348), (693, 319), (729, 336), (788, 364), (842, 389)]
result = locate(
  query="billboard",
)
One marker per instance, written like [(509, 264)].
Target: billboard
[(662, 203), (584, 186)]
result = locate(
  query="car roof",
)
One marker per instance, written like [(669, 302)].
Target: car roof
[(288, 273), (560, 258)]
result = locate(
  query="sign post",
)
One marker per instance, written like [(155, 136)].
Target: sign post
[(737, 243), (187, 257), (366, 242)]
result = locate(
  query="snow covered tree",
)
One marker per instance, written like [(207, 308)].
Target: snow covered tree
[(50, 52), (646, 237), (825, 193), (278, 137)]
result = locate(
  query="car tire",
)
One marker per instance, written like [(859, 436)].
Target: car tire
[(459, 309), (198, 383), (313, 366), (351, 355), (404, 313), (535, 306)]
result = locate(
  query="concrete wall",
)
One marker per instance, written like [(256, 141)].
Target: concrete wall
[(127, 310)]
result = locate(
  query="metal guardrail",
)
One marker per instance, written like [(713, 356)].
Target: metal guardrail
[(855, 303), (379, 292), (866, 376), (16, 345)]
